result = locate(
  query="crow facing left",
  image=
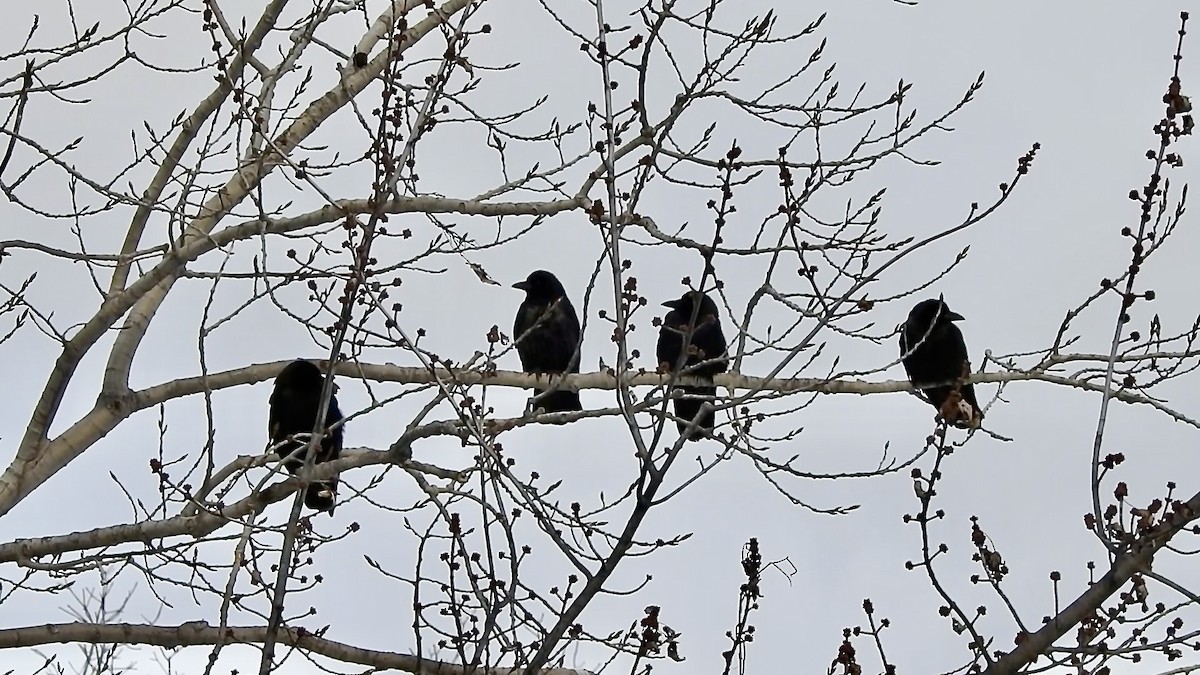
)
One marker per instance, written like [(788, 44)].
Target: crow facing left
[(547, 333), (692, 346), (294, 404)]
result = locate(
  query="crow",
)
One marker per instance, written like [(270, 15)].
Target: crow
[(547, 335), (934, 353), (294, 405), (691, 334)]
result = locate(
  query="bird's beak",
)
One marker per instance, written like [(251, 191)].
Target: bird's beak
[(671, 304), (522, 285), (954, 316)]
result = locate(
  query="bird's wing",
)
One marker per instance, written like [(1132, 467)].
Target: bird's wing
[(552, 342), (670, 342), (334, 414), (570, 318), (710, 339), (955, 345), (331, 445), (520, 322), (527, 316), (906, 357), (567, 333), (274, 414)]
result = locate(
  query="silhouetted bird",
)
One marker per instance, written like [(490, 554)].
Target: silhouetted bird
[(294, 406), (938, 356), (547, 334), (706, 342)]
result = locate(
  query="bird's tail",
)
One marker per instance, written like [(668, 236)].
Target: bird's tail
[(686, 410), (320, 496), (558, 401)]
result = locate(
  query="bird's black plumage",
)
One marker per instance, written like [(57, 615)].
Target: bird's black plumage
[(934, 353), (294, 406), (706, 343), (548, 335)]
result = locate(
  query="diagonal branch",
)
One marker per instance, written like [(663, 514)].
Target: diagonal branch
[(143, 298), (1126, 564), (187, 133)]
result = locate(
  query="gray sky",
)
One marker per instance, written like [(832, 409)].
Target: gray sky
[(1084, 82)]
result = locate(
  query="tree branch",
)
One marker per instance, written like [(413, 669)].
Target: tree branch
[(152, 288), (1126, 564), (206, 522), (201, 633), (155, 395)]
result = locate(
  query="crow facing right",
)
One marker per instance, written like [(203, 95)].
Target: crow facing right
[(934, 353), (294, 405), (706, 345), (547, 334)]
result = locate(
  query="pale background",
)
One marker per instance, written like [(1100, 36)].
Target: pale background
[(1084, 79)]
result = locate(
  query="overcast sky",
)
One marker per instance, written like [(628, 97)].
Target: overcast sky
[(1083, 80)]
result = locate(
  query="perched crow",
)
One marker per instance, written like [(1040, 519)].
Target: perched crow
[(934, 353), (294, 406), (547, 334), (707, 342)]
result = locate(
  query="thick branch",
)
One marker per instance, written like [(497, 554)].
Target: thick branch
[(201, 633), (601, 380), (187, 133), (341, 208), (148, 300), (247, 179), (103, 419), (18, 480), (1125, 566)]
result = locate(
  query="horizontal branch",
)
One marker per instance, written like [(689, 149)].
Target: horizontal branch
[(422, 204), (202, 524), (330, 213), (606, 381), (198, 633), (18, 481)]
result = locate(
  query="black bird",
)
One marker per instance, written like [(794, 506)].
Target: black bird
[(294, 406), (706, 342), (934, 353), (547, 334)]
